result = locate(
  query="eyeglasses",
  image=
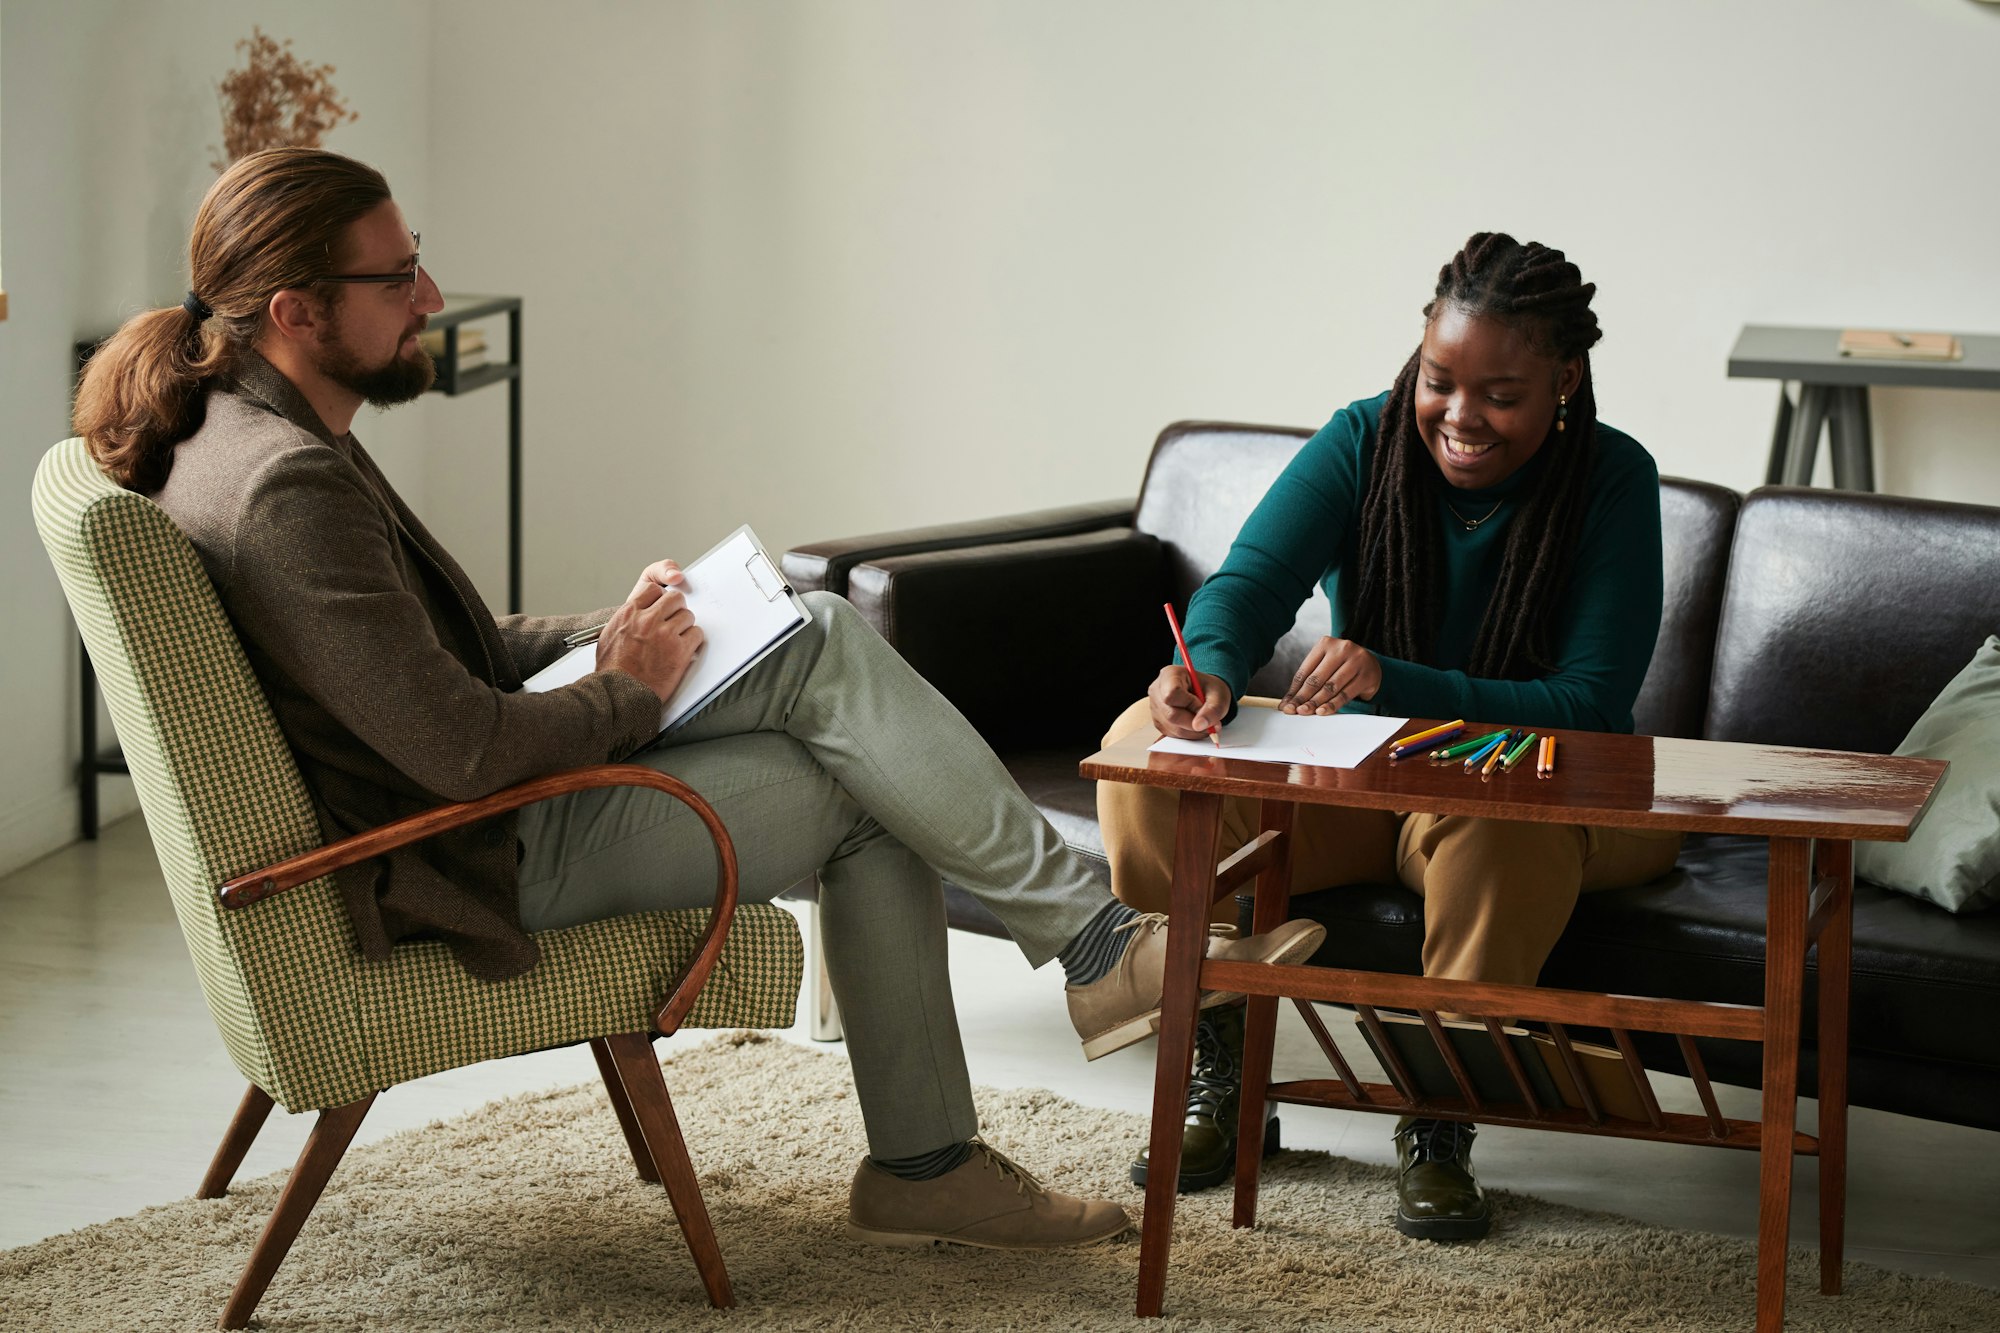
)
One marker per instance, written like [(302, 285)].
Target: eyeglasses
[(409, 275)]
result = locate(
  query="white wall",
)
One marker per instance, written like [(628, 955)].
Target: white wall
[(838, 268), (106, 131), (833, 268)]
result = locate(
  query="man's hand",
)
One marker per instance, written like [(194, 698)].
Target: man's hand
[(1175, 710), (653, 635), (1335, 672)]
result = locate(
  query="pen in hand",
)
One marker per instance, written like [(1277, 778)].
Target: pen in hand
[(583, 636), (1194, 680)]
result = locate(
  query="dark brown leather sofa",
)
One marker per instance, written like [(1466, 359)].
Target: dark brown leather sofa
[(1793, 617)]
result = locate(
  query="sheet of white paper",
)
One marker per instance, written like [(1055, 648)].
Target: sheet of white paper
[(740, 620), (1340, 741)]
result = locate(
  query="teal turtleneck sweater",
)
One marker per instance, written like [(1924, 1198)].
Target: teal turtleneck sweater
[(1306, 530)]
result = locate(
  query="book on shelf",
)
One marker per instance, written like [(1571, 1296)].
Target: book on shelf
[(1484, 1066), (1611, 1082), (1894, 345), (471, 347), (1604, 1066)]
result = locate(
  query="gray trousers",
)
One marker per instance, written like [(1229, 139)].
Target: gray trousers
[(832, 755)]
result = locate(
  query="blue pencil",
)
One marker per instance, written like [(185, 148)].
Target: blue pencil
[(1478, 757)]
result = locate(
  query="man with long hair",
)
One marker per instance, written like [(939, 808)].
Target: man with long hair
[(399, 690)]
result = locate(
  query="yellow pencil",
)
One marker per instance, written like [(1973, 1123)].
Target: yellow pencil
[(1423, 736), (1492, 762)]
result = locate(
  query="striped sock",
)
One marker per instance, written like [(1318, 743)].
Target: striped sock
[(926, 1165), (1096, 949)]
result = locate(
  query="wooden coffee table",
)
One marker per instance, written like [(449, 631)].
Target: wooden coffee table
[(1811, 804)]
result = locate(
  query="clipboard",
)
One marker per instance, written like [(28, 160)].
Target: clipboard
[(745, 610)]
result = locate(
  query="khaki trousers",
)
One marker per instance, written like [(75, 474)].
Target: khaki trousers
[(1497, 893)]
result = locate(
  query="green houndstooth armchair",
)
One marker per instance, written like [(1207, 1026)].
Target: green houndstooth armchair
[(310, 1024)]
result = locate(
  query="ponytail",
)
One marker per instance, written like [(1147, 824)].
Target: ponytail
[(143, 391)]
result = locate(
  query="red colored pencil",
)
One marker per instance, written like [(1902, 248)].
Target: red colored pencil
[(1194, 681)]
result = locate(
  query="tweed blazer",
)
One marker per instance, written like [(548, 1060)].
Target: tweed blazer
[(395, 686)]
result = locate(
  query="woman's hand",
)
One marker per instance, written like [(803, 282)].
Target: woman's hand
[(653, 635), (1175, 710), (1334, 672)]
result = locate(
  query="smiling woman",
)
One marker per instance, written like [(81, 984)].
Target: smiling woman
[(1491, 551)]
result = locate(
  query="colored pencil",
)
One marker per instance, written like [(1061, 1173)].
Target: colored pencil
[(1515, 755), (1194, 681), (1493, 758), (1405, 750), (1546, 767), (1478, 757), (1462, 748), (1408, 741)]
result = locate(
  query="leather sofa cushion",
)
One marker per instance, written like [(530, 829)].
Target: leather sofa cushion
[(1697, 519), (1846, 614)]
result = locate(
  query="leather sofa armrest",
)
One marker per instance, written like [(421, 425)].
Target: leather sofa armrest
[(827, 565), (1039, 643)]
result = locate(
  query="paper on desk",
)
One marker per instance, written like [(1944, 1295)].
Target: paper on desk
[(1265, 734), (744, 609)]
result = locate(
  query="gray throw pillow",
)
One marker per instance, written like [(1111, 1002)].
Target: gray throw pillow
[(1953, 859)]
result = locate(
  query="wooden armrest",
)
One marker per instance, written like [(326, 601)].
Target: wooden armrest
[(309, 866)]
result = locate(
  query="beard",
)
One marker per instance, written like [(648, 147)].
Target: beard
[(399, 380)]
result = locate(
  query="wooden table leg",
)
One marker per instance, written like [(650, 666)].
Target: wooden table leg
[(1784, 1002), (1187, 938), (1836, 954), (1260, 1019)]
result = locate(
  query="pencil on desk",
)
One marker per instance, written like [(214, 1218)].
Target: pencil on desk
[(1409, 741), (1515, 755), (1494, 742), (1462, 748), (1407, 748), (1194, 681), (1546, 766), (1493, 758)]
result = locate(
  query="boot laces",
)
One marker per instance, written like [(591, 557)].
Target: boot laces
[(1008, 1168), (1216, 1074), (1437, 1140), (1152, 921)]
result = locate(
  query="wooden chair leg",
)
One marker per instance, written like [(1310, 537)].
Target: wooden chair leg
[(639, 1072), (317, 1160), (250, 1114), (642, 1156)]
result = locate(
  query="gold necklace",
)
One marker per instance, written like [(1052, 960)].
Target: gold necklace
[(1472, 524)]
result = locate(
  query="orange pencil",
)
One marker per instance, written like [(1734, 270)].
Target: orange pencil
[(1492, 762), (1545, 767), (1194, 681)]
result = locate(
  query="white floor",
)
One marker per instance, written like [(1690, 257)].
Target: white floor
[(116, 1089)]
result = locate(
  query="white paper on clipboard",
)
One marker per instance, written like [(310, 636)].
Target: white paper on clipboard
[(745, 609)]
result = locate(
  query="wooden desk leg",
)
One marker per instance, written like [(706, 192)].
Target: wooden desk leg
[(1260, 1019), (1784, 1001), (1836, 953), (1187, 939)]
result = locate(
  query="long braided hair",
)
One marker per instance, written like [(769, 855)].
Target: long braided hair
[(1397, 604)]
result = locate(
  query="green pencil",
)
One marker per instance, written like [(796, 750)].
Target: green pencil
[(1463, 748), (1514, 755)]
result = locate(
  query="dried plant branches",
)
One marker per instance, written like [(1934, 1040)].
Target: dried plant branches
[(276, 101)]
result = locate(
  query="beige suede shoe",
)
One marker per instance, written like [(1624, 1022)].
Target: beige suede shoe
[(1123, 1006), (987, 1201)]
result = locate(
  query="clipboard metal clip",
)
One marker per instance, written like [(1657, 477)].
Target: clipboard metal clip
[(765, 576)]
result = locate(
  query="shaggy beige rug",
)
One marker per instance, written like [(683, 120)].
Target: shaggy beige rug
[(526, 1214)]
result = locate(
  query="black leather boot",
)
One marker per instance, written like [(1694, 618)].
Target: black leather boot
[(1436, 1196), (1208, 1137)]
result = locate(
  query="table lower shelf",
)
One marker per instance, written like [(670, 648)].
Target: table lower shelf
[(1675, 1127)]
